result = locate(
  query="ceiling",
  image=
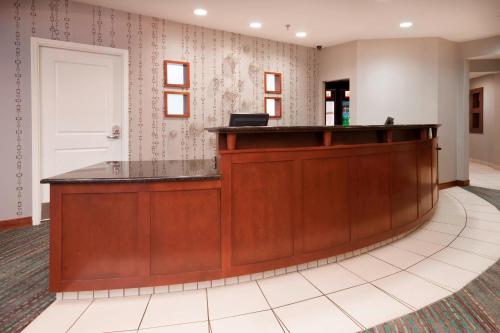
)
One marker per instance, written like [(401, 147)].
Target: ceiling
[(329, 22)]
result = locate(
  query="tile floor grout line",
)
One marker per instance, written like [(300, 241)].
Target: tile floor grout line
[(448, 245), (208, 311), (239, 315), (370, 283), (355, 321), (408, 305), (270, 307), (144, 313), (405, 270), (80, 316), (176, 324), (465, 269), (443, 232), (429, 257), (483, 229), (494, 258), (482, 241), (433, 282)]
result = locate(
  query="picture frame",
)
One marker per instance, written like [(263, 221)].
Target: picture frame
[(272, 82), (273, 106), (176, 104), (176, 74)]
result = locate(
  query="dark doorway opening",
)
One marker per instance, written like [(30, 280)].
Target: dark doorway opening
[(337, 99)]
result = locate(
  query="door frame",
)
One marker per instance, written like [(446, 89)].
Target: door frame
[(36, 44)]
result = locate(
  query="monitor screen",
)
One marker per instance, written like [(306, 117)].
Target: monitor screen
[(248, 119)]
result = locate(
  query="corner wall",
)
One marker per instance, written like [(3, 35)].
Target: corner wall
[(482, 146), (415, 80)]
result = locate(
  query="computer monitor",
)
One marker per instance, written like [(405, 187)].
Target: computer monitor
[(248, 119)]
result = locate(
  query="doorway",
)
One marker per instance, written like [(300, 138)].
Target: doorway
[(484, 117), (337, 101), (79, 110)]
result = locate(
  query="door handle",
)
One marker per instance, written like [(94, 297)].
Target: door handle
[(115, 132)]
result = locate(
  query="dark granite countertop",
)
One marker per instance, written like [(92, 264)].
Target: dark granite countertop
[(262, 129), (139, 171)]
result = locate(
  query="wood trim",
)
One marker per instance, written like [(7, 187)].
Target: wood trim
[(278, 105), (15, 223), (327, 138), (453, 183), (280, 80), (186, 104), (388, 136), (231, 141), (187, 69)]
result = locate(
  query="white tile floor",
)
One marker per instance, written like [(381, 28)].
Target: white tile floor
[(458, 244)]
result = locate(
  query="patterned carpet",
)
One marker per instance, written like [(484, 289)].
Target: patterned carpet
[(24, 259)]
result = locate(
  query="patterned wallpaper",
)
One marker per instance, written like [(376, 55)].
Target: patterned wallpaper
[(226, 76)]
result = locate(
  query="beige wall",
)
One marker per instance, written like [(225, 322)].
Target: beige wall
[(485, 147), (449, 106), (226, 76), (398, 78), (336, 63), (413, 80)]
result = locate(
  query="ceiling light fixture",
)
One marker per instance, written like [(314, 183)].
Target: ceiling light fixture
[(406, 24), (301, 34), (255, 25), (200, 12)]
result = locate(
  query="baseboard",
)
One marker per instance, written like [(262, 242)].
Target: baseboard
[(491, 165), (461, 183), (15, 223)]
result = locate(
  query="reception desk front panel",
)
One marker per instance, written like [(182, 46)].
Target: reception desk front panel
[(303, 194), (283, 207)]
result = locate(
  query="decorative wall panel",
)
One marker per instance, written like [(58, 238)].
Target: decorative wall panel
[(226, 74)]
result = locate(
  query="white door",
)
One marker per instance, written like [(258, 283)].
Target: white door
[(81, 110)]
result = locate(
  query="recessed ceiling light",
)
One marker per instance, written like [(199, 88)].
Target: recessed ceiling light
[(200, 12), (301, 34), (406, 24), (255, 25)]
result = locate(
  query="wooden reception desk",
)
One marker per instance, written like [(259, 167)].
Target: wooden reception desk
[(279, 196)]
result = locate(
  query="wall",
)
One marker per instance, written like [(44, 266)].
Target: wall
[(226, 76), (449, 101), (414, 80), (336, 63), (397, 78), (484, 147)]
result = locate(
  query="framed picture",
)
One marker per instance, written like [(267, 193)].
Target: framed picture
[(272, 106), (176, 74), (176, 104), (272, 83)]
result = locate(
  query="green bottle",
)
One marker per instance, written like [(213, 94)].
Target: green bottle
[(345, 116)]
